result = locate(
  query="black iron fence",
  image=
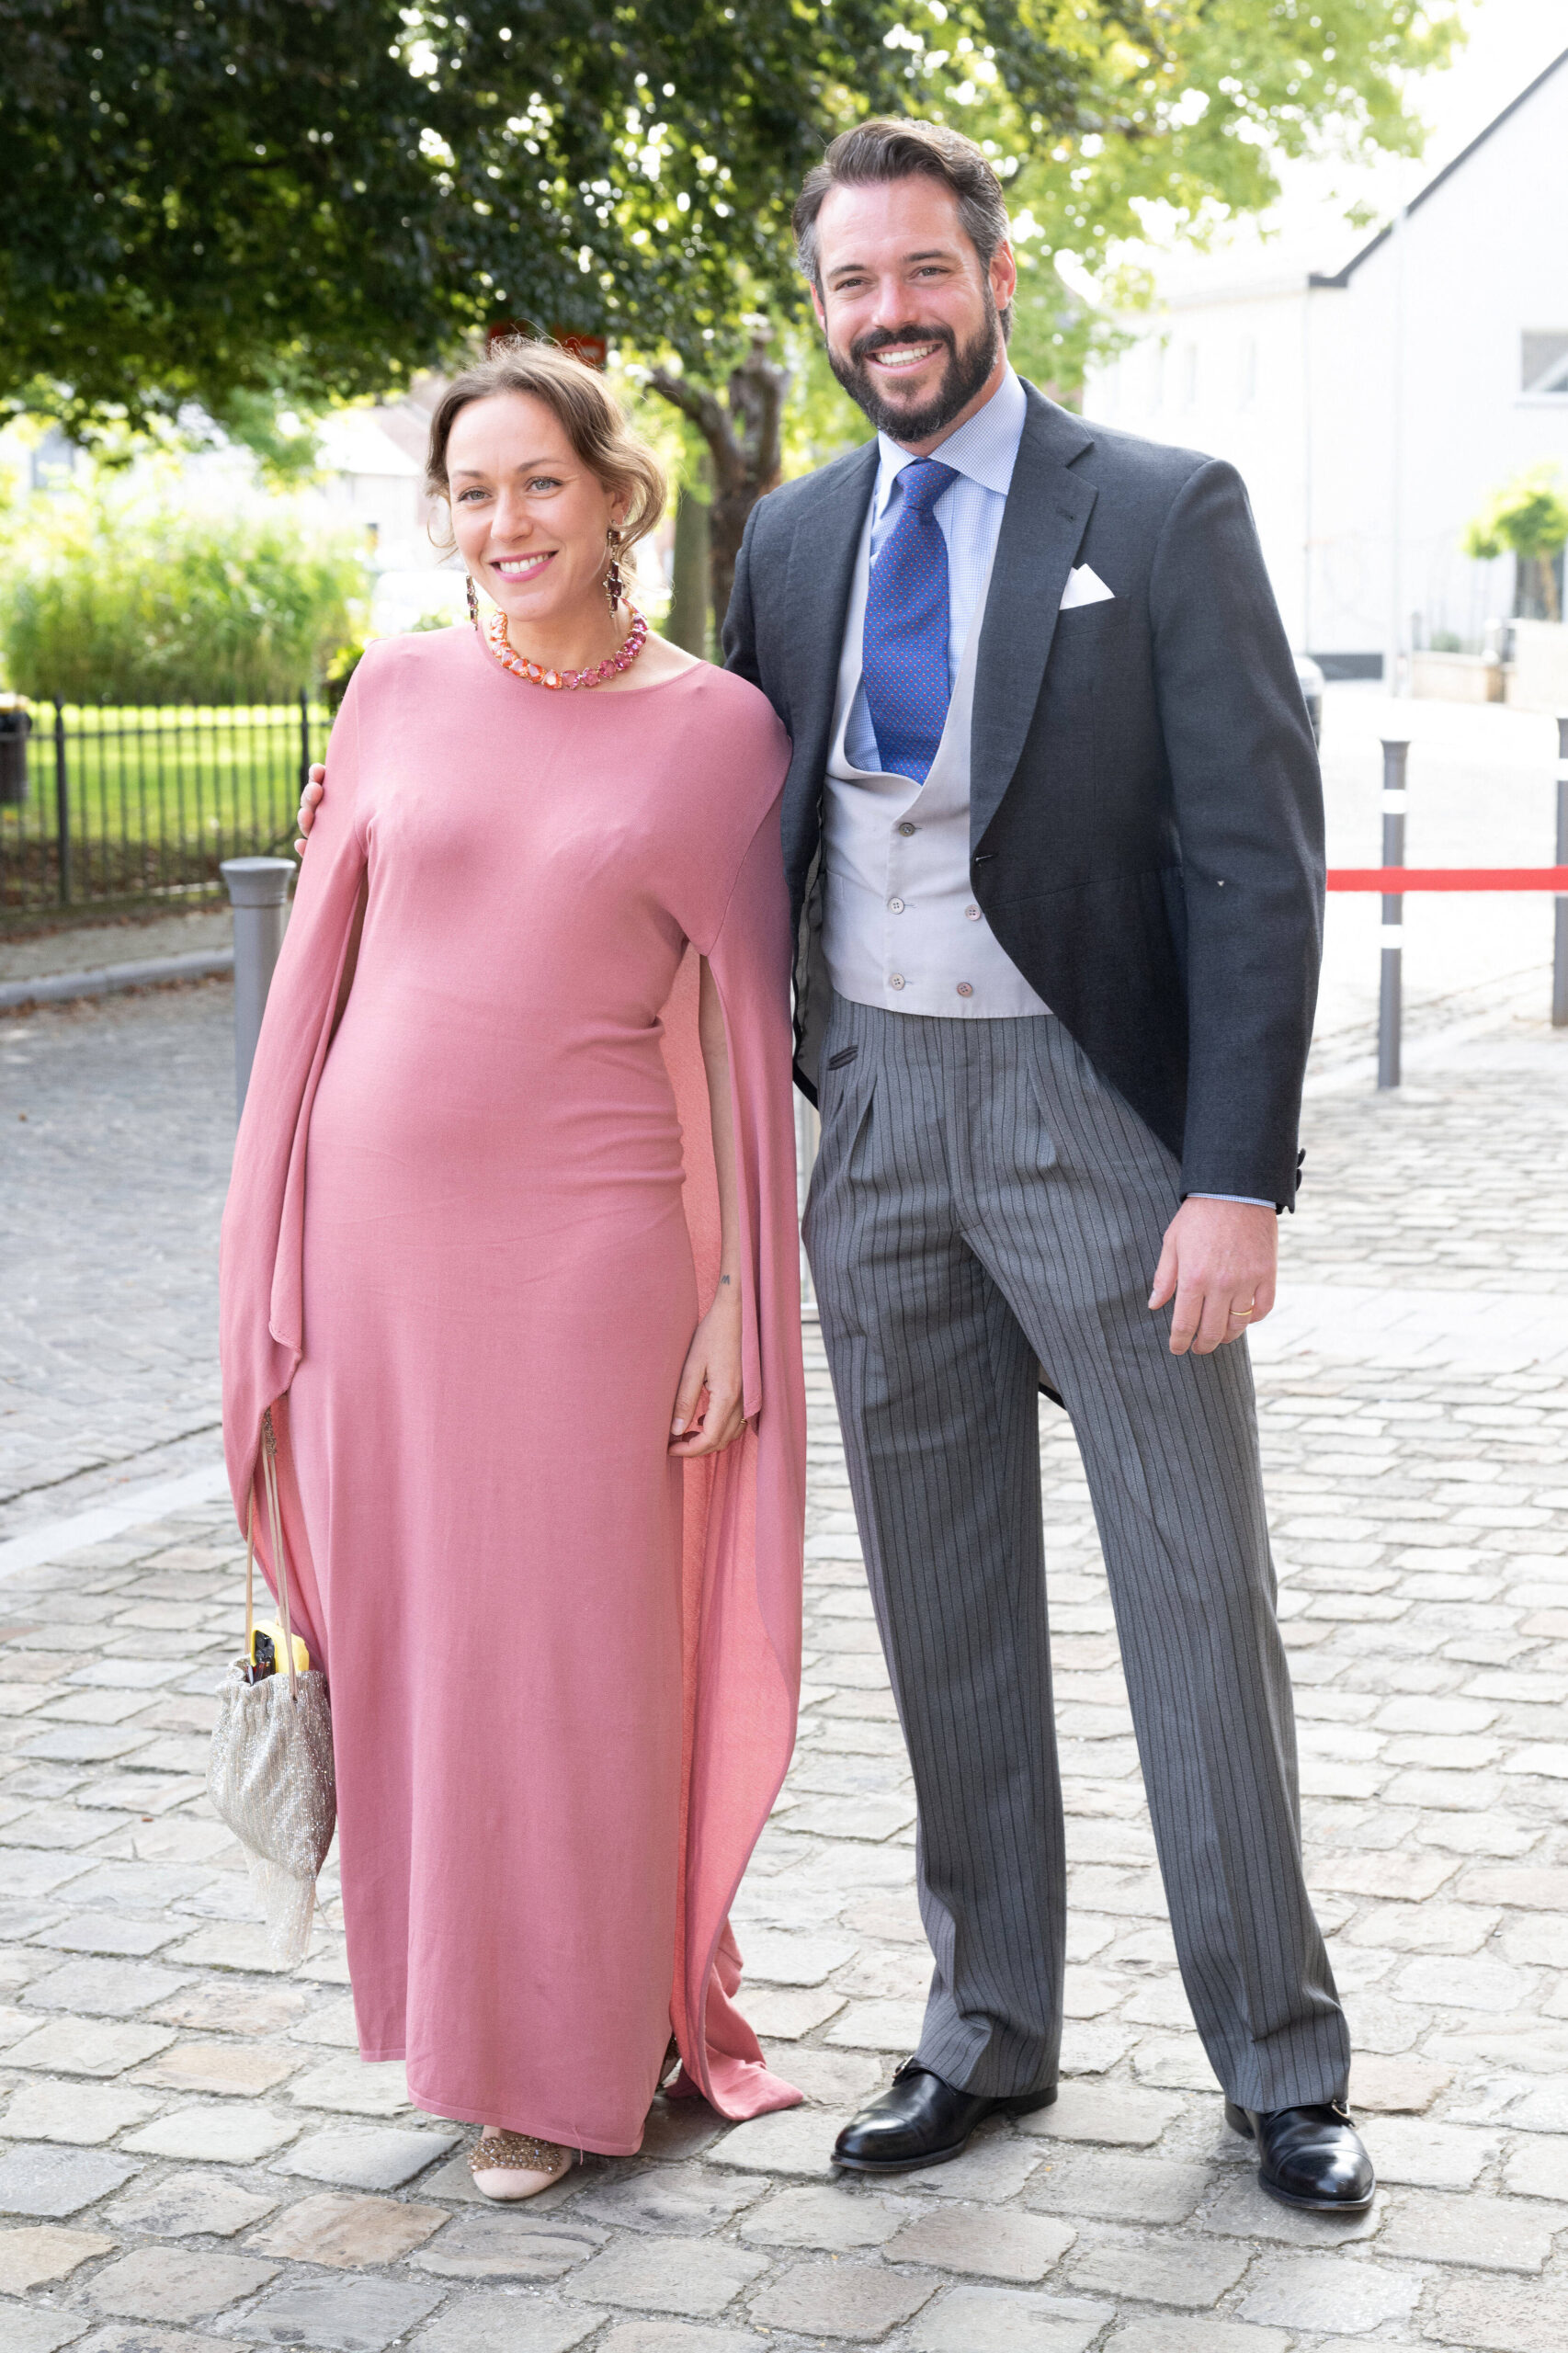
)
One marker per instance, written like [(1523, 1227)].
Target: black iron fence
[(119, 808)]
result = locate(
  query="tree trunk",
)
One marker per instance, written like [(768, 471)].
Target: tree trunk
[(1546, 566), (689, 604), (743, 434)]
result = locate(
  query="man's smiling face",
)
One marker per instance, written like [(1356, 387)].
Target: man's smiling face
[(910, 311)]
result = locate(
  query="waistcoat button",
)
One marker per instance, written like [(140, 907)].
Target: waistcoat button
[(974, 914), (895, 906), (896, 980), (906, 827), (965, 989)]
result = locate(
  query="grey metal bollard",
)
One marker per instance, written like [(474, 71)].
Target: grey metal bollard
[(1396, 753), (1559, 935), (258, 892)]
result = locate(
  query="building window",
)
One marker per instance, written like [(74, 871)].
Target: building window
[(1543, 363), (1246, 372)]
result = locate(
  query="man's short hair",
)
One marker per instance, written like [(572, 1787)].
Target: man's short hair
[(889, 149)]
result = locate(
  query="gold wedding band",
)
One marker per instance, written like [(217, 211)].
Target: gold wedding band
[(1240, 1313)]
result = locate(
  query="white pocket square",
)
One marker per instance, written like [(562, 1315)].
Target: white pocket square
[(1085, 586)]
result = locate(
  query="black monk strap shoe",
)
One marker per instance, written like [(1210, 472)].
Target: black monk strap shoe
[(1310, 2157), (921, 2120)]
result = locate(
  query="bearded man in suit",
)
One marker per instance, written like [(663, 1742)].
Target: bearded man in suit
[(1053, 834)]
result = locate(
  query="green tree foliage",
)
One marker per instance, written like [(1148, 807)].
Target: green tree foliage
[(103, 599), (1529, 519), (206, 199)]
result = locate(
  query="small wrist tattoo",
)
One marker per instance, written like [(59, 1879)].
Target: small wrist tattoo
[(723, 1279)]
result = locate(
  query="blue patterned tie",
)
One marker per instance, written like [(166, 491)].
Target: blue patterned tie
[(905, 653)]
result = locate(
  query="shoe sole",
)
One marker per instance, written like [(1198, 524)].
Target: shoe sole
[(1239, 2122), (1026, 2105)]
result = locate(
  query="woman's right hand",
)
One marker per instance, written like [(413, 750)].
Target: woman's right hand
[(313, 793)]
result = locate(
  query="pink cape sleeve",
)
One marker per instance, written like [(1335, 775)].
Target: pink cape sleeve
[(745, 1508), (261, 1310)]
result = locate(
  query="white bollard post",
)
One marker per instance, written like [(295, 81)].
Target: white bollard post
[(1396, 753), (258, 892)]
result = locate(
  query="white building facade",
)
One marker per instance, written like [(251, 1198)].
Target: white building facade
[(1372, 411)]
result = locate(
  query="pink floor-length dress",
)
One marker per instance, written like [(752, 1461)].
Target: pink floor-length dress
[(467, 1241)]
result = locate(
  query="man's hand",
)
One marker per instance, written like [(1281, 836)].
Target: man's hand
[(1219, 1264), (307, 799)]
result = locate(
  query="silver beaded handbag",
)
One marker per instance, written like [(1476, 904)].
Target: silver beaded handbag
[(270, 1774)]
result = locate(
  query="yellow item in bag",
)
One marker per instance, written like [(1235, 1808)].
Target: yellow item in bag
[(267, 1652)]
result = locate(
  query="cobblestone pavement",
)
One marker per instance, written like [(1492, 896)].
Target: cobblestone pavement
[(191, 2155)]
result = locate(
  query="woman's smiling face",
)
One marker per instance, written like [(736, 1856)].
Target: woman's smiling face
[(529, 518)]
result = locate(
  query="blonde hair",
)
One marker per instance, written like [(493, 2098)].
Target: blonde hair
[(594, 420)]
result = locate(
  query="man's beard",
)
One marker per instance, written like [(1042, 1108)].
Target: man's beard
[(965, 373)]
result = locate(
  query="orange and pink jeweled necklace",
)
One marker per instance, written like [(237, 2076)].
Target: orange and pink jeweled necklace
[(496, 639)]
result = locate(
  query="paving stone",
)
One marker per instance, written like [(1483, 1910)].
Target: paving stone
[(1432, 2157), (1392, 2086), (150, 2337), (104, 1988), (675, 2336), (1538, 2168), (73, 2046), (1542, 2112), (232, 2134), (185, 2204), (672, 2198), (1118, 2188), (346, 2231), (837, 2079), (1170, 2272), (832, 2219), (994, 2243), (32, 2257), (773, 1957), (1167, 2335), (37, 2180), (176, 2283), (84, 2113), (786, 2013), (1493, 2315), (995, 2166), (345, 2316), (1488, 2233), (1006, 2320), (359, 2160), (510, 2244), (791, 2140), (1329, 2291), (1115, 2113), (355, 2087), (496, 2322), (854, 2300), (221, 2067), (674, 2275), (219, 2005), (31, 2328), (106, 1932)]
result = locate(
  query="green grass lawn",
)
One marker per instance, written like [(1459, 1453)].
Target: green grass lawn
[(156, 799)]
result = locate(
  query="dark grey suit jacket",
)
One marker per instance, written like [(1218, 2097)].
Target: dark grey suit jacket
[(1146, 819)]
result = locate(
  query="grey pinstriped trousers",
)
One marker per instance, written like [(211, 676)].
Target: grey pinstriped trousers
[(982, 1201)]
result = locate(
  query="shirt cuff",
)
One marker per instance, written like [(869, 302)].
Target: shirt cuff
[(1250, 1200)]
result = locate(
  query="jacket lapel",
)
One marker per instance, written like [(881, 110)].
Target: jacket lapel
[(1043, 527), (821, 565)]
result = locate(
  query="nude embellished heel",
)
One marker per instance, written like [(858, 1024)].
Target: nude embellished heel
[(518, 2153)]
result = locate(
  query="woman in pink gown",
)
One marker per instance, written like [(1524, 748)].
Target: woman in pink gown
[(517, 1165)]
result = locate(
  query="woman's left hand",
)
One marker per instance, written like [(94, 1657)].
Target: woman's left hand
[(712, 1364)]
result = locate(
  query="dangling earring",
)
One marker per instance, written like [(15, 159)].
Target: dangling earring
[(614, 586), (472, 601)]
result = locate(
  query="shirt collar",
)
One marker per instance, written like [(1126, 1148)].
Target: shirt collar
[(984, 450)]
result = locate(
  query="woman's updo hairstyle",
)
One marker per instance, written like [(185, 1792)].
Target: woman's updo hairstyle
[(594, 420)]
